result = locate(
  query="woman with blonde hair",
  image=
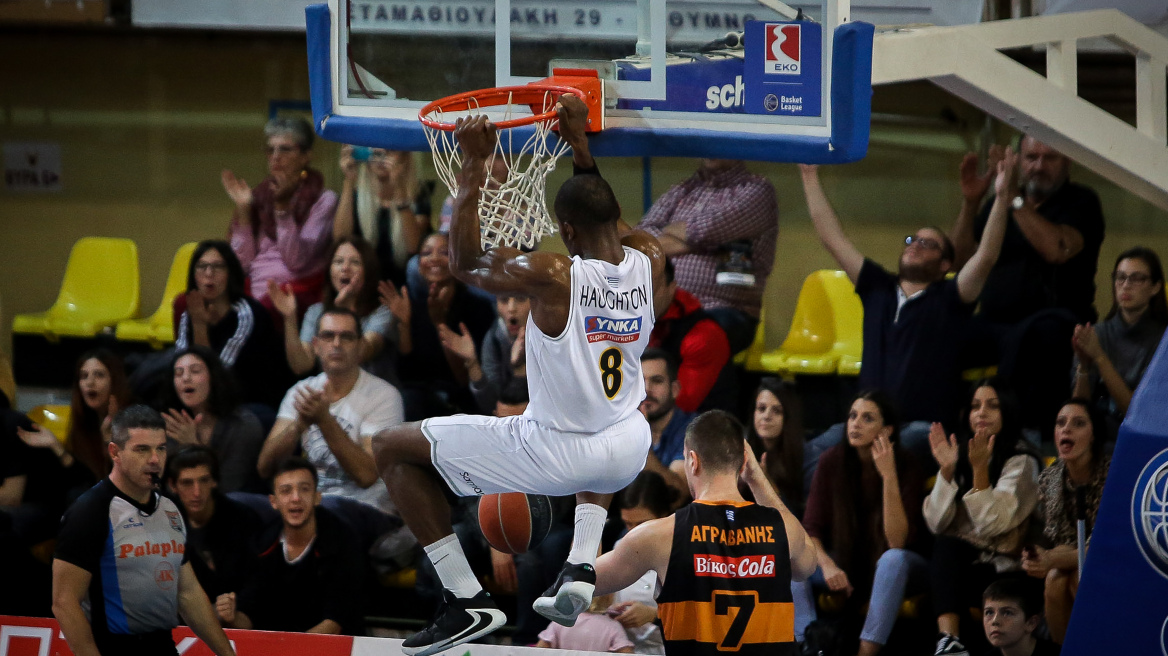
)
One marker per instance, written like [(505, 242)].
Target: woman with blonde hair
[(383, 202)]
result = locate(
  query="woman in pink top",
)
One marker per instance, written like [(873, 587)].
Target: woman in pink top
[(281, 228)]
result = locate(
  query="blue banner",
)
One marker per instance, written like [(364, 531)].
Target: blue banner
[(1122, 602), (694, 83), (784, 68)]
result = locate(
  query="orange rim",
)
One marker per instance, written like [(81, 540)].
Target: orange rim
[(532, 95)]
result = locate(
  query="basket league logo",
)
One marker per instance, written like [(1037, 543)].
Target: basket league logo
[(1149, 512)]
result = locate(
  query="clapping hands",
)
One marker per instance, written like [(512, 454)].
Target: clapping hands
[(945, 450), (974, 186), (884, 457)]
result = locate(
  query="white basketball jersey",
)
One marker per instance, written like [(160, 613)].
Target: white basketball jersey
[(589, 377)]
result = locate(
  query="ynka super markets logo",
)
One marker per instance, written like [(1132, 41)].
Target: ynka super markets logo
[(604, 329)]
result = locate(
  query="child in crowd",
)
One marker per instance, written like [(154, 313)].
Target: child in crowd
[(1010, 615)]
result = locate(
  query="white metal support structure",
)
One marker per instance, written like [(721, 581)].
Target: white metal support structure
[(966, 61)]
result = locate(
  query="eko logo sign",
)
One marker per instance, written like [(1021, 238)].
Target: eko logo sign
[(783, 54)]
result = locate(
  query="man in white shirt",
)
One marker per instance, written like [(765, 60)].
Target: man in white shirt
[(334, 415)]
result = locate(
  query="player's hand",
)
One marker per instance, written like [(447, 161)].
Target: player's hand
[(632, 614), (282, 299), (884, 458), (752, 470), (398, 302), (503, 566), (181, 427), (225, 607), (238, 191), (311, 406), (477, 136), (837, 579), (519, 353), (944, 450), (460, 344), (981, 450), (572, 115)]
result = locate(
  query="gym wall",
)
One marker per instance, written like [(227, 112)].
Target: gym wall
[(146, 121)]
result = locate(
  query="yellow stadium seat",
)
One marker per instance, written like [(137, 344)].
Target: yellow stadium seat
[(100, 289), (53, 417), (826, 334), (977, 373), (158, 328), (751, 356)]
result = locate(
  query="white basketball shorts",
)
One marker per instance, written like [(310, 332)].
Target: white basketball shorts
[(484, 455)]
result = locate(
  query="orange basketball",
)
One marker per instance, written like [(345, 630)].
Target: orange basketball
[(514, 522)]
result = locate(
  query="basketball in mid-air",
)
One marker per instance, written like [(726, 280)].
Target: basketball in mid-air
[(514, 522)]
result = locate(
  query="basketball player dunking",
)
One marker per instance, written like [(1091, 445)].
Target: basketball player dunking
[(591, 316), (724, 565)]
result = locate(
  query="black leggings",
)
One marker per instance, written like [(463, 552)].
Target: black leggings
[(958, 582)]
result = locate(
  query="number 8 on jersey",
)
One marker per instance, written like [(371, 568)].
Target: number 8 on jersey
[(610, 371)]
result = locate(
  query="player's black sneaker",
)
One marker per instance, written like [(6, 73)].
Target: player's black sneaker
[(949, 645), (457, 621), (569, 596)]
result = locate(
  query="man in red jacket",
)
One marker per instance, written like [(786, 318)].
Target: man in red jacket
[(701, 348)]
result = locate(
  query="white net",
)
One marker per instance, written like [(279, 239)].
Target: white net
[(512, 211)]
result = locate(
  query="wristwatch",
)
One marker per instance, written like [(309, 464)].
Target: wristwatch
[(1019, 202)]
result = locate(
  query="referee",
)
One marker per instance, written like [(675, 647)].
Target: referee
[(120, 572)]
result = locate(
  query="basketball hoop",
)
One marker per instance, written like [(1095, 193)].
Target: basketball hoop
[(512, 212)]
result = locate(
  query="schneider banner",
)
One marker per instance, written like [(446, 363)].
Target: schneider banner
[(1122, 603)]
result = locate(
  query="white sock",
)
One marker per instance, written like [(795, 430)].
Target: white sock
[(453, 569), (590, 520)]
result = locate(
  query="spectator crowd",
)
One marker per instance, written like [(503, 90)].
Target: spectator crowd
[(324, 319)]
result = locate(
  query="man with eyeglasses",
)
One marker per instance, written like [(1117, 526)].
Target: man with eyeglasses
[(334, 415), (914, 319)]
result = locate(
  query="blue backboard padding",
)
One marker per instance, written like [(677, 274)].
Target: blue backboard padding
[(851, 91), (319, 76), (1122, 602), (851, 114)]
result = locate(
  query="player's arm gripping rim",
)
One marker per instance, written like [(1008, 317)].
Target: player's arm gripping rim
[(573, 114), (499, 270)]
